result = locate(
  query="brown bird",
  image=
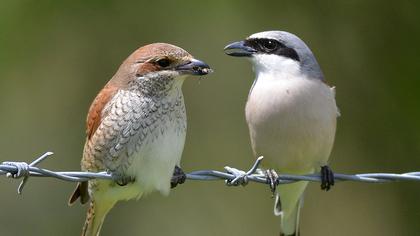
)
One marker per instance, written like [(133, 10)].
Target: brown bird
[(136, 129)]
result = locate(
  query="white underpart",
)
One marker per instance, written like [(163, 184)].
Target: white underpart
[(291, 117), (292, 121), (154, 164)]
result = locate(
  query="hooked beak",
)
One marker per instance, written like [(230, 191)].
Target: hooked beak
[(239, 49), (194, 67)]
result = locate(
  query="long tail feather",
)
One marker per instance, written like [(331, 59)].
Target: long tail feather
[(95, 218), (81, 191), (287, 205)]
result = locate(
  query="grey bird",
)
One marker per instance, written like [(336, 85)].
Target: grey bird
[(291, 114)]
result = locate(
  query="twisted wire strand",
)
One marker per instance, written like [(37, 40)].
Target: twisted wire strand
[(231, 176)]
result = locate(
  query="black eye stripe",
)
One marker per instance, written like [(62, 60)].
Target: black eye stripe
[(259, 44), (289, 53), (264, 45)]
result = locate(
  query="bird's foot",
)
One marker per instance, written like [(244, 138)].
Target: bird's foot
[(123, 181), (327, 178), (272, 179), (178, 177)]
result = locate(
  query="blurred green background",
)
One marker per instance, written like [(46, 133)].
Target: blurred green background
[(55, 57)]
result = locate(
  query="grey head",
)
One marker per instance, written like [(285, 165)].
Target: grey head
[(280, 43)]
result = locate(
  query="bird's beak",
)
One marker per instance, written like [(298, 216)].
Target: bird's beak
[(239, 49), (194, 67)]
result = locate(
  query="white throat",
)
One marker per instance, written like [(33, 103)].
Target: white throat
[(274, 64)]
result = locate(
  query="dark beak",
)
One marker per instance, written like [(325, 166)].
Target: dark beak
[(239, 49), (194, 67)]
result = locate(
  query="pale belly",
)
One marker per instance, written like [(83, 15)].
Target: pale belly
[(292, 124), (140, 139), (154, 164)]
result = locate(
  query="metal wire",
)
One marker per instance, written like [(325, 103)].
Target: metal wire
[(232, 176)]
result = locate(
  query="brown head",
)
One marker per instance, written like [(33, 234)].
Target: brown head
[(149, 68), (158, 59)]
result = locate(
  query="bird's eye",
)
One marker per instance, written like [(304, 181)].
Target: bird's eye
[(163, 62), (269, 45)]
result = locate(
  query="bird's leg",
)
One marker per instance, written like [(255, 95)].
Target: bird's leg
[(178, 177), (272, 179), (123, 181), (327, 178)]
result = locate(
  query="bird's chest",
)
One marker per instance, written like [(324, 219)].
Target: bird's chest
[(160, 149), (289, 100), (141, 140), (291, 119)]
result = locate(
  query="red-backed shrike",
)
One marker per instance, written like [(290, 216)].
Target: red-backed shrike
[(136, 129)]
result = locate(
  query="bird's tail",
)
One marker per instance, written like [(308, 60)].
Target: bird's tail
[(289, 199), (95, 218)]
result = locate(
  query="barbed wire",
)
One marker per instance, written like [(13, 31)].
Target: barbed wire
[(231, 176)]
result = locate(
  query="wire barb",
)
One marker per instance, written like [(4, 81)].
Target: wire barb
[(23, 169), (232, 176), (241, 177)]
